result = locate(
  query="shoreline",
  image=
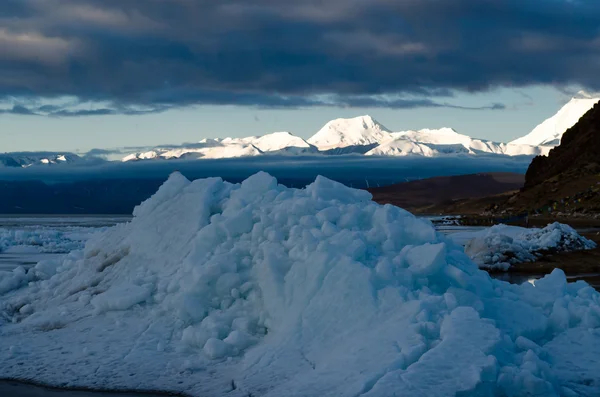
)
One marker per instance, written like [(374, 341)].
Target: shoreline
[(31, 388)]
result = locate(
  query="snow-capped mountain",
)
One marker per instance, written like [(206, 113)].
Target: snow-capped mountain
[(550, 131), (28, 159), (207, 149), (430, 143), (357, 131), (277, 142)]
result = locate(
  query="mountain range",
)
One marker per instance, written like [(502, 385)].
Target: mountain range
[(28, 159), (358, 135), (361, 135)]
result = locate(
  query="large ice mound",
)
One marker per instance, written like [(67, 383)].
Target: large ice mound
[(256, 289), (501, 246)]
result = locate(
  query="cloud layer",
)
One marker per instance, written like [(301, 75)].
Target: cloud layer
[(151, 55)]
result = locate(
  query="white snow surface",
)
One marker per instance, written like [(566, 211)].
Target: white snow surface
[(502, 246), (551, 130), (219, 289)]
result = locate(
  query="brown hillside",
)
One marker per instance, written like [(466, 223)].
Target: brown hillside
[(426, 195)]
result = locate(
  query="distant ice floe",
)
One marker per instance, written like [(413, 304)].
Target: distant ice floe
[(501, 246), (44, 239), (219, 289), (42, 245)]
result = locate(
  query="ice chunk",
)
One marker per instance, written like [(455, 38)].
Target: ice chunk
[(426, 259), (215, 348), (326, 189), (239, 340), (12, 280), (121, 297)]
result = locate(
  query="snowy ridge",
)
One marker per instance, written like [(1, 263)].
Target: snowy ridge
[(209, 149), (552, 129), (257, 289), (443, 141), (277, 142)]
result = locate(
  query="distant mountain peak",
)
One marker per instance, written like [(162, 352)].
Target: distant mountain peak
[(356, 131), (551, 130), (369, 121)]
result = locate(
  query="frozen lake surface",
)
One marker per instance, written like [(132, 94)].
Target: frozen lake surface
[(26, 240), (37, 230)]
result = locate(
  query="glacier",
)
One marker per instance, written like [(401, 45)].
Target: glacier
[(257, 289)]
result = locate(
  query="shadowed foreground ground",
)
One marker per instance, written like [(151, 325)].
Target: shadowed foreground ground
[(10, 388)]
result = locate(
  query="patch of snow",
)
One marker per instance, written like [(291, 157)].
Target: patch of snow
[(257, 289)]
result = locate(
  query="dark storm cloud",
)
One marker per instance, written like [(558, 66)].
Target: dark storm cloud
[(159, 54)]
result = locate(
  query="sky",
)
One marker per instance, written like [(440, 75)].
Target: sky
[(83, 74)]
